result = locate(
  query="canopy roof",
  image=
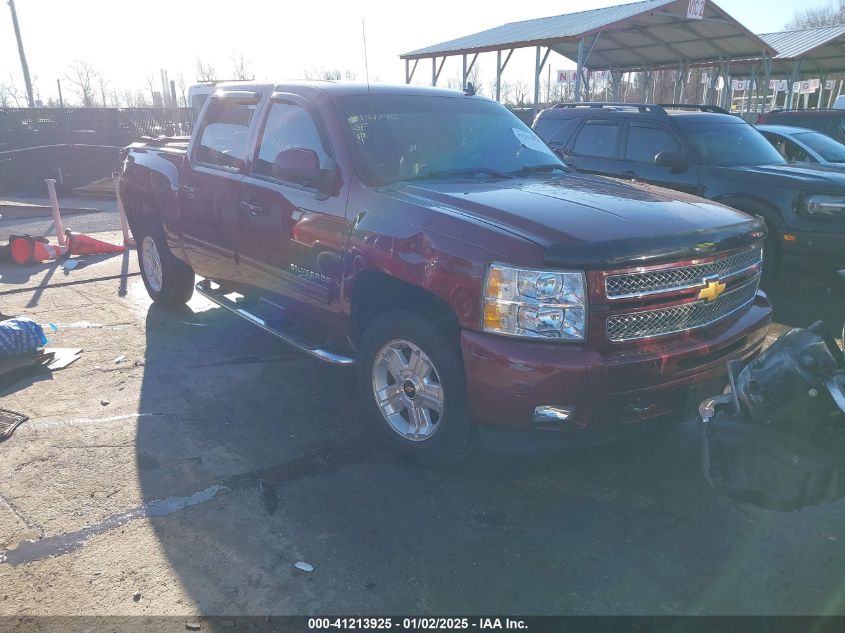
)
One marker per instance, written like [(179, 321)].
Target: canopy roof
[(821, 49), (655, 33)]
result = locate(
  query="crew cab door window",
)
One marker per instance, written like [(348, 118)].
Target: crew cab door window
[(593, 149), (795, 153), (643, 142), (290, 149), (597, 139), (224, 138), (647, 141)]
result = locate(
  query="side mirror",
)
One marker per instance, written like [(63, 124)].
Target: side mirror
[(302, 166), (299, 165), (673, 160)]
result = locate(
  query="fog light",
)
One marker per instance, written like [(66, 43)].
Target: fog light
[(553, 414)]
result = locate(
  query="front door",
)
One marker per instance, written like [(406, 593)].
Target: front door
[(208, 198), (644, 141), (291, 237)]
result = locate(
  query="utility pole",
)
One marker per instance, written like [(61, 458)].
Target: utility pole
[(25, 68)]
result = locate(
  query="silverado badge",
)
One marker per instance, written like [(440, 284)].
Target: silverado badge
[(712, 290)]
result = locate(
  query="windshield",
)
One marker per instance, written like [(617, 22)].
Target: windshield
[(731, 145), (831, 150), (407, 137)]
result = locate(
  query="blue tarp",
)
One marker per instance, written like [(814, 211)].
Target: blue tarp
[(19, 336)]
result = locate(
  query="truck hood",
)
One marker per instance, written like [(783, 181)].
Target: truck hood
[(590, 221), (821, 178)]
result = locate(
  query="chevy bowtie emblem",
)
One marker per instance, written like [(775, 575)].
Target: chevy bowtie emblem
[(712, 290)]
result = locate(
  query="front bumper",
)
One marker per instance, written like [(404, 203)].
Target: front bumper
[(610, 389), (814, 249)]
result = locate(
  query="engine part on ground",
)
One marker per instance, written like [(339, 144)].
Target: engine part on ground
[(777, 438)]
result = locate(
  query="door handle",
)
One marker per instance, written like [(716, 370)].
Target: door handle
[(189, 190), (630, 174), (252, 209)]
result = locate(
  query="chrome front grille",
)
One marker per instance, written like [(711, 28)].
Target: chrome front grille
[(679, 318), (643, 284)]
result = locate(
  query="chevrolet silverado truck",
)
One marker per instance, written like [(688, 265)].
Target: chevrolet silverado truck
[(432, 240)]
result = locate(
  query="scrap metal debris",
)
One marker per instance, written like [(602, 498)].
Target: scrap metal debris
[(9, 421), (301, 565), (268, 494)]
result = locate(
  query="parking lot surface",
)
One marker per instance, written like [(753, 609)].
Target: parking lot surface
[(188, 460)]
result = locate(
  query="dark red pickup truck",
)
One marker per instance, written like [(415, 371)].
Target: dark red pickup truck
[(433, 240)]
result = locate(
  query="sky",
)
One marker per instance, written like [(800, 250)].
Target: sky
[(129, 41)]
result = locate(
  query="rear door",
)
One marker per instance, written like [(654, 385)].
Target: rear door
[(208, 196), (594, 147), (645, 140), (292, 236)]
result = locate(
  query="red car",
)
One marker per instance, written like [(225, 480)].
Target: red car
[(431, 239)]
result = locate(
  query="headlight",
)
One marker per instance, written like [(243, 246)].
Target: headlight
[(535, 303), (825, 207)]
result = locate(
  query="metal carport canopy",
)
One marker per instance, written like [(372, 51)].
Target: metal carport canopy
[(821, 50), (627, 37), (818, 51)]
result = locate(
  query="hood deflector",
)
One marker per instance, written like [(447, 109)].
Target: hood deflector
[(654, 250)]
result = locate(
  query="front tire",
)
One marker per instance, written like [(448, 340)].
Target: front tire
[(411, 383), (169, 280)]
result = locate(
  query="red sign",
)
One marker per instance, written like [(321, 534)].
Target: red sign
[(695, 10)]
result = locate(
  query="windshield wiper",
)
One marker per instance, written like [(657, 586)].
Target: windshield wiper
[(532, 169), (464, 171)]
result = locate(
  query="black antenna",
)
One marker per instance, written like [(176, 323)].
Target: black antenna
[(366, 63)]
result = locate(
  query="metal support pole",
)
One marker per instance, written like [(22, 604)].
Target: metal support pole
[(24, 66), (434, 71), (407, 71), (464, 72), (541, 61), (61, 101), (682, 92), (796, 72), (579, 68), (537, 82), (767, 77), (822, 79), (57, 215), (498, 75)]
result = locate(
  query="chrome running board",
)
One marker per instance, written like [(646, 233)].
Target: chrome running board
[(291, 338)]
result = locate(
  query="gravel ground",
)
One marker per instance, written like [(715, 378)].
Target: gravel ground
[(188, 461)]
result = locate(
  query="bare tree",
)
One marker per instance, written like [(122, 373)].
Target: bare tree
[(240, 67), (82, 78), (812, 17), (322, 74), (10, 96), (205, 72), (102, 84), (180, 83), (151, 86), (114, 99)]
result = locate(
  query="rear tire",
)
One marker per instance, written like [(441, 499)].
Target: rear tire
[(411, 384), (169, 280)]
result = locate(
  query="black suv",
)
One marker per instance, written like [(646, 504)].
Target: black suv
[(705, 151), (830, 122)]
